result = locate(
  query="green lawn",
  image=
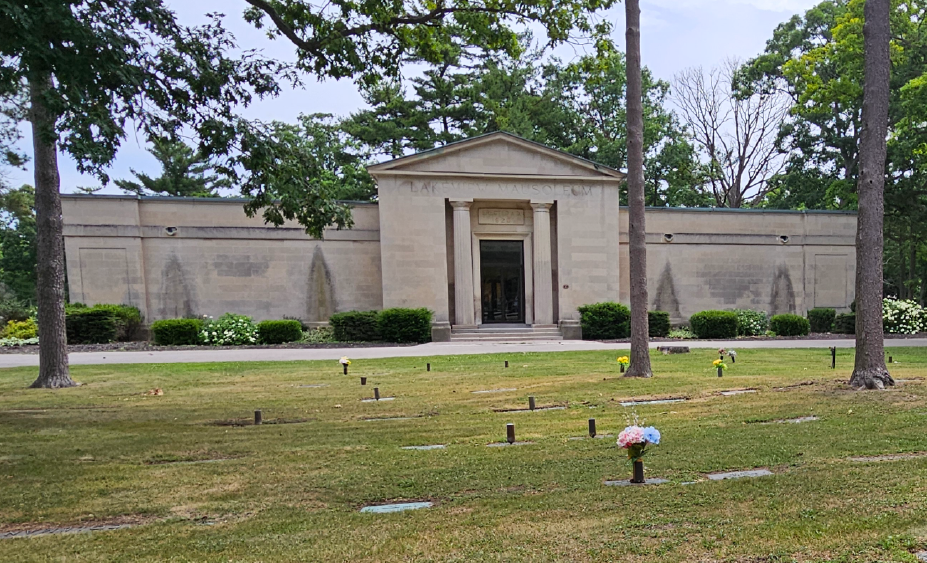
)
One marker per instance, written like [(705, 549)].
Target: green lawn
[(106, 452)]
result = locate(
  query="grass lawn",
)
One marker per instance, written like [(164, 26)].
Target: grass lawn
[(199, 490)]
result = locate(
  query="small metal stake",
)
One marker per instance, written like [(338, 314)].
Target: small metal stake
[(510, 433), (833, 357), (427, 367), (345, 366), (258, 418), (376, 393), (890, 360), (506, 363), (720, 371), (531, 403), (592, 428), (733, 359), (363, 381)]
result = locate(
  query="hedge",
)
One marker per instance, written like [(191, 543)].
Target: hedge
[(789, 325), (845, 323), (821, 319), (176, 332), (128, 320), (751, 323), (405, 325), (90, 326), (714, 324), (658, 323), (355, 326), (605, 321), (279, 332)]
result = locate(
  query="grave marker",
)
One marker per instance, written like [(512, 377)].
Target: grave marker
[(531, 403), (376, 393), (258, 418), (592, 428), (510, 433)]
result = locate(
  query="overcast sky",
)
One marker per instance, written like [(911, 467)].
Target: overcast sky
[(675, 34)]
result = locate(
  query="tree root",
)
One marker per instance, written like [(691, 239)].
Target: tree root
[(872, 378)]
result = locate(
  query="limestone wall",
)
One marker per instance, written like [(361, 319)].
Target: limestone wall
[(174, 257), (725, 259)]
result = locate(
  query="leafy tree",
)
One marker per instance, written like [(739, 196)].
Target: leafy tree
[(92, 66), (637, 243), (184, 173), (869, 369), (18, 242)]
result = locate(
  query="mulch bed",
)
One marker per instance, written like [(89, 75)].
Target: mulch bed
[(812, 336), (149, 347)]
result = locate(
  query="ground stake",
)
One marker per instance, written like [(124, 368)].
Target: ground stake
[(510, 433), (592, 428)]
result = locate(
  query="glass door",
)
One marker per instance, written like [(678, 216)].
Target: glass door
[(502, 273)]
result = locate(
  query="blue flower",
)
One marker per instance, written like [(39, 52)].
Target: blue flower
[(652, 435)]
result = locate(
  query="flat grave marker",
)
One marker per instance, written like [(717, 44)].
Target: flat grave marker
[(653, 402), (425, 448), (739, 474), (398, 507), (628, 483), (494, 390)]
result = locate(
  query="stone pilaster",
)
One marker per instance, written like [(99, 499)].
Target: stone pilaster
[(543, 284), (463, 265)]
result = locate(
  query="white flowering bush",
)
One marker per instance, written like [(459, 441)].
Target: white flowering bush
[(230, 330), (751, 323), (902, 316)]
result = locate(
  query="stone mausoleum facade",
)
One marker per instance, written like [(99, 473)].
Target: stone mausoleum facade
[(493, 231)]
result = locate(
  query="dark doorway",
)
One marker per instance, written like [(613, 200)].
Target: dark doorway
[(502, 281)]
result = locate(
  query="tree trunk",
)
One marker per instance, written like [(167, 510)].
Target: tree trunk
[(869, 370), (53, 349), (637, 244)]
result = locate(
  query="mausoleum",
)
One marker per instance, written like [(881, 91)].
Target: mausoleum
[(493, 231)]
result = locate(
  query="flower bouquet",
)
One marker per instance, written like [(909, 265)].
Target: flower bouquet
[(635, 439), (720, 365), (623, 362), (345, 362)]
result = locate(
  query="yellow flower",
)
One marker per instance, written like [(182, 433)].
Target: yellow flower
[(716, 363), (624, 360)]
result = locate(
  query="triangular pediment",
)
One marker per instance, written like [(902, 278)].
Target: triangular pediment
[(498, 153)]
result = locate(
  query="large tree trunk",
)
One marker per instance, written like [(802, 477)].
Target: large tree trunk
[(53, 349), (869, 370), (637, 244)]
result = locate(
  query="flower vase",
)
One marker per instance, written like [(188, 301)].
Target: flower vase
[(638, 476), (363, 381), (621, 366), (345, 366)]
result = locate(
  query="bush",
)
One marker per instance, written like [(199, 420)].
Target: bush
[(751, 323), (318, 335), (279, 332), (405, 325), (714, 324), (658, 323), (21, 329), (681, 332), (355, 326), (13, 310), (821, 319), (902, 316), (229, 330), (845, 323), (789, 325), (90, 326), (176, 332), (605, 321), (128, 320)]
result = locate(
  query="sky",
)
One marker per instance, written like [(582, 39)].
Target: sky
[(675, 35)]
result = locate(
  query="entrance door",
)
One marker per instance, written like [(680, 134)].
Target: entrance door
[(502, 273)]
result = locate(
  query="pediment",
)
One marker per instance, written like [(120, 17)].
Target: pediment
[(500, 154)]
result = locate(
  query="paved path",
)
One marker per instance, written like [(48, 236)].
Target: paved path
[(432, 349)]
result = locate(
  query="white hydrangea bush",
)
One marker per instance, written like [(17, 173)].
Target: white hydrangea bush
[(230, 330), (902, 316)]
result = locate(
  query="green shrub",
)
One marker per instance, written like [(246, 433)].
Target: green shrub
[(176, 332), (751, 323), (405, 325), (714, 324), (605, 321), (681, 332), (355, 326), (90, 326), (279, 332), (14, 310), (845, 323), (21, 329), (659, 323), (789, 325), (229, 330), (821, 319), (128, 320), (318, 335)]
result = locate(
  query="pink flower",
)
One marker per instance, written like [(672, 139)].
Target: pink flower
[(631, 435)]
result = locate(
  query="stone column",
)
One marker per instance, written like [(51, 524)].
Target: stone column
[(543, 284), (463, 265)]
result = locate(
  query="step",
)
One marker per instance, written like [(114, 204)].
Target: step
[(506, 338)]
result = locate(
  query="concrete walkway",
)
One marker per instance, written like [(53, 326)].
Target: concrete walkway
[(423, 350)]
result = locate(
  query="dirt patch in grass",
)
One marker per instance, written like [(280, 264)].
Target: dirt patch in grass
[(29, 529)]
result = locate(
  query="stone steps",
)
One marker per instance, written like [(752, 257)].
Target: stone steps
[(505, 334)]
